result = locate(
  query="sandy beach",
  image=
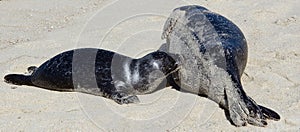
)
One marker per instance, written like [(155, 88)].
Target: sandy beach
[(33, 31)]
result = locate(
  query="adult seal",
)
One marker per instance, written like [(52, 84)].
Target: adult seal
[(100, 72), (212, 54)]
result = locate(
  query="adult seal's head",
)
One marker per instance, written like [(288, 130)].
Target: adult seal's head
[(212, 51)]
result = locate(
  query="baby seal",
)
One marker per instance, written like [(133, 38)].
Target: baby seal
[(213, 54), (100, 72)]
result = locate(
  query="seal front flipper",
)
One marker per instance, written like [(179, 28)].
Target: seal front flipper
[(123, 98), (123, 93), (18, 79)]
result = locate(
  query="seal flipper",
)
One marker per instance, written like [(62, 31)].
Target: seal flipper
[(31, 69), (122, 94), (122, 98), (18, 79), (269, 114), (242, 109)]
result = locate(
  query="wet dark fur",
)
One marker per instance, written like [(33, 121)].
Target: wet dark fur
[(99, 72)]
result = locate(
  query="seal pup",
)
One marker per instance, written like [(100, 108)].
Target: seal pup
[(100, 72), (212, 53)]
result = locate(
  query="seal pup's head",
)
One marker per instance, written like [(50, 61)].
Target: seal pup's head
[(150, 72), (162, 61)]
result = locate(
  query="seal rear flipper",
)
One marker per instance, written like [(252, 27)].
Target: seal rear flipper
[(31, 69), (18, 79), (269, 114)]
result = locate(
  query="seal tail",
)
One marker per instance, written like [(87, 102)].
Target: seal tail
[(18, 79)]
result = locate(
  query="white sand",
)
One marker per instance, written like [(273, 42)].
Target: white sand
[(33, 31)]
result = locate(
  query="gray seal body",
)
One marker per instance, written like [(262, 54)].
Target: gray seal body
[(212, 54), (100, 72)]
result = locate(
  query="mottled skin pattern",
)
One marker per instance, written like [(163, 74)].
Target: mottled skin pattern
[(213, 55), (100, 72)]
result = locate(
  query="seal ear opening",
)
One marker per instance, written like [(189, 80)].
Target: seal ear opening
[(269, 114)]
